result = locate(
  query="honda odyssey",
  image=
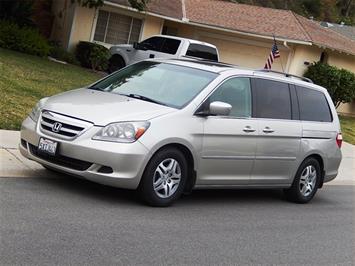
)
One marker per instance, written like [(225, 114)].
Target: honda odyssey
[(167, 126)]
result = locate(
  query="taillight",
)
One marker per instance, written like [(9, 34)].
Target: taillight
[(339, 139)]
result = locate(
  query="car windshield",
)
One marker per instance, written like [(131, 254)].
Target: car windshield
[(161, 83)]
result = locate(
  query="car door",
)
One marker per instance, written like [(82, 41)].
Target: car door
[(156, 47), (229, 142), (279, 132)]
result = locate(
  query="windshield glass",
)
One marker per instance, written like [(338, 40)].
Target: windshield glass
[(163, 83)]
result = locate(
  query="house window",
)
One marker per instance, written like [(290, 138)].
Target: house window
[(115, 28)]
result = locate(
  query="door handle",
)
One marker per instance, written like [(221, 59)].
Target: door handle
[(151, 55), (268, 130), (248, 129)]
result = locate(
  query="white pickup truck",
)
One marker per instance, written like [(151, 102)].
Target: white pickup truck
[(160, 46)]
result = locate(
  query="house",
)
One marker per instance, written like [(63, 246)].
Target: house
[(243, 34)]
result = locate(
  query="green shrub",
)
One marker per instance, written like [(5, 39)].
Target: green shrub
[(61, 54), (22, 39), (340, 83), (92, 55)]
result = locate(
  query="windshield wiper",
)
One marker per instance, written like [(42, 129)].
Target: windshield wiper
[(143, 98)]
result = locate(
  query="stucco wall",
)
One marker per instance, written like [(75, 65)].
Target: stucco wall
[(151, 26), (302, 54), (82, 25), (347, 109), (341, 60)]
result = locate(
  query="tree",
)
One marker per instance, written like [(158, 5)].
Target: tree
[(17, 11), (340, 83)]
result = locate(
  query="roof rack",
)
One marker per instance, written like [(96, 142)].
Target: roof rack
[(212, 62), (285, 74)]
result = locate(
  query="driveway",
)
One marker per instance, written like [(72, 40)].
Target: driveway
[(61, 220)]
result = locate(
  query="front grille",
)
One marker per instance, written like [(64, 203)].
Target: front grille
[(61, 160), (61, 126)]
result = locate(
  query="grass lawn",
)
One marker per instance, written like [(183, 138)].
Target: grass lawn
[(24, 79), (348, 128)]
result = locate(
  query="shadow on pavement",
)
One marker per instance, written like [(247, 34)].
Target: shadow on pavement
[(88, 189)]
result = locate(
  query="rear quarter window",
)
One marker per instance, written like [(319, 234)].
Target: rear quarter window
[(313, 105), (202, 51)]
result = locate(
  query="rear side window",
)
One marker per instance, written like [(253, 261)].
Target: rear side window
[(313, 105), (272, 99), (170, 46), (202, 51)]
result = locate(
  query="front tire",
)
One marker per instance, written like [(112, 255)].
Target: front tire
[(115, 63), (306, 182), (164, 178)]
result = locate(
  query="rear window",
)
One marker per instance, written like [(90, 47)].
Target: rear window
[(202, 51), (313, 105), (272, 99)]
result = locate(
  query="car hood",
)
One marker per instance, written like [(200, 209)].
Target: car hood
[(120, 46), (102, 108)]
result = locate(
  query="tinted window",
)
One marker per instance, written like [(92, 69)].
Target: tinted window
[(154, 44), (313, 105), (170, 46), (272, 99), (236, 92), (167, 84), (202, 51)]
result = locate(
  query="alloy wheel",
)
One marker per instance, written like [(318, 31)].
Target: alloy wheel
[(308, 180), (167, 177)]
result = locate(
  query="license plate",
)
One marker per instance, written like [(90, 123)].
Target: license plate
[(47, 146)]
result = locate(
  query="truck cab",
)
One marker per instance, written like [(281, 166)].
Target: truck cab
[(160, 46)]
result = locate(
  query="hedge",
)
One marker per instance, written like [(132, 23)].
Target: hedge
[(340, 83), (23, 39), (92, 55)]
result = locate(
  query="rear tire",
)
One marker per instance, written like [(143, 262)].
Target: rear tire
[(115, 63), (306, 182), (164, 178)]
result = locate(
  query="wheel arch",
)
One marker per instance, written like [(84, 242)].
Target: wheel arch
[(320, 160), (190, 158), (120, 55)]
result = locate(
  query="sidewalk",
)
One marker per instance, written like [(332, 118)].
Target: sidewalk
[(13, 164)]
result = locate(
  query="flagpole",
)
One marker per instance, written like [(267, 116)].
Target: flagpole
[(282, 67)]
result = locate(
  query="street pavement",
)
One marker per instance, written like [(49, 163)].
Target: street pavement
[(55, 219)]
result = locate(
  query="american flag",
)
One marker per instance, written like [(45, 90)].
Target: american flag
[(275, 53)]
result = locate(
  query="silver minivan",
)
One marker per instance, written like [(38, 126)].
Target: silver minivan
[(166, 127)]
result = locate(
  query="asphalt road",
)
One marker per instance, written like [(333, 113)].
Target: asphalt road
[(67, 221)]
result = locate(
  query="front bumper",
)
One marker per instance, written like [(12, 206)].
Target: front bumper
[(86, 158)]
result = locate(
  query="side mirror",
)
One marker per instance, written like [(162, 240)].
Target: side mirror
[(136, 45), (220, 108)]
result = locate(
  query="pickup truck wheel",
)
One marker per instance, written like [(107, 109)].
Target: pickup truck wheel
[(115, 63)]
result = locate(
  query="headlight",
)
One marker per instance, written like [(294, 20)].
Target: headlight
[(37, 109), (126, 132)]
